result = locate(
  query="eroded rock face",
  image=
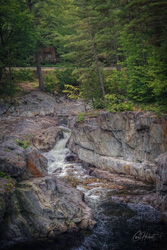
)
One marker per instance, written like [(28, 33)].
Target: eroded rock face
[(12, 159), (44, 207), (126, 142), (161, 183), (7, 187)]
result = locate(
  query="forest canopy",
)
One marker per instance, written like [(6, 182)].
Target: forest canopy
[(115, 51)]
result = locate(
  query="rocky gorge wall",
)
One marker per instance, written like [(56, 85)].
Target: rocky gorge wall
[(126, 143), (34, 205)]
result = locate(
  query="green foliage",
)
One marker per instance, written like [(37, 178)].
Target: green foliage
[(66, 77), (159, 110), (118, 103), (8, 87), (51, 82), (23, 75), (89, 86), (24, 144), (2, 175), (92, 114), (17, 33), (72, 92), (88, 35), (9, 185), (59, 79), (80, 117), (98, 103)]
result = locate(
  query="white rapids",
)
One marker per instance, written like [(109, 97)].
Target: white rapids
[(58, 165), (56, 157)]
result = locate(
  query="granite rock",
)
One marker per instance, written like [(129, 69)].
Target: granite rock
[(43, 207), (126, 142)]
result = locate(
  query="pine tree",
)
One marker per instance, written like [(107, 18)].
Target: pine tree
[(17, 35), (83, 50), (48, 16)]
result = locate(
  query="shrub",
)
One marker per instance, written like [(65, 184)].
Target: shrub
[(118, 103), (50, 80), (66, 77), (72, 92), (24, 144), (8, 87), (23, 75), (80, 117)]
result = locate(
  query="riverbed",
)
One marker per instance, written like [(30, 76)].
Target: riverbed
[(121, 223)]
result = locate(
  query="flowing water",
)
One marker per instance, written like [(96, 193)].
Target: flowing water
[(120, 226)]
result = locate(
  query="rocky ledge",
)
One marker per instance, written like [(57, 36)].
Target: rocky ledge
[(125, 143)]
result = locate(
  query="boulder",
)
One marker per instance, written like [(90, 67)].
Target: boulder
[(44, 207), (37, 164), (12, 159), (42, 132), (21, 164)]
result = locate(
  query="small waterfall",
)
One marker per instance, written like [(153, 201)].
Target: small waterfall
[(56, 156)]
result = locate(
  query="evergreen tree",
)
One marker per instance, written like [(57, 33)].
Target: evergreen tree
[(143, 40), (83, 50), (17, 35)]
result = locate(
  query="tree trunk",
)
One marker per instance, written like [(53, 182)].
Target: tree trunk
[(29, 2), (37, 57), (97, 64), (39, 71)]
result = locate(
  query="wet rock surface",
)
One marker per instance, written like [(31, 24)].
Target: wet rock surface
[(45, 207), (161, 184)]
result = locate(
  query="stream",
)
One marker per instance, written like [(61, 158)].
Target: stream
[(120, 225)]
